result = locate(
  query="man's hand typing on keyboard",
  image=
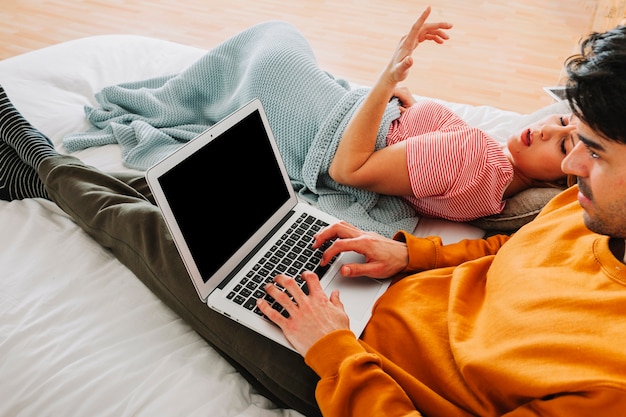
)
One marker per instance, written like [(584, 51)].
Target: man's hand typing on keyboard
[(311, 317), (384, 257)]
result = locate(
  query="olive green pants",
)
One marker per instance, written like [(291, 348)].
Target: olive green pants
[(116, 210)]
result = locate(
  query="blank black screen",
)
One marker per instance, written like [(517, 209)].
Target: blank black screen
[(224, 192)]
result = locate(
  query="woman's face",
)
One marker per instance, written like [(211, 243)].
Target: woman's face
[(538, 151)]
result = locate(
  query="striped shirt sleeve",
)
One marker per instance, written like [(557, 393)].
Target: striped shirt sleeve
[(457, 172)]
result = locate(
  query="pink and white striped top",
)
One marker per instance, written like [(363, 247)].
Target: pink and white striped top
[(457, 172)]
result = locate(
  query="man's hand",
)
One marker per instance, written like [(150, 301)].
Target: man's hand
[(384, 257), (310, 317)]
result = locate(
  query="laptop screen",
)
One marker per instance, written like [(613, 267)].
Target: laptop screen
[(223, 193)]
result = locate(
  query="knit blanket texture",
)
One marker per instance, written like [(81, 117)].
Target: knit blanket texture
[(307, 108)]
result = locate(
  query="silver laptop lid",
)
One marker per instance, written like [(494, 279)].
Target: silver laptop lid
[(222, 194)]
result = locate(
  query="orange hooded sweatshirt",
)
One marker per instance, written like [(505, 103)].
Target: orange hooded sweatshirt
[(531, 325)]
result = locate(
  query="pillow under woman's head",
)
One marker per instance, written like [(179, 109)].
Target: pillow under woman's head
[(519, 210)]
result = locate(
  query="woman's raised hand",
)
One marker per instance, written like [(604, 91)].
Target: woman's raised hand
[(421, 31)]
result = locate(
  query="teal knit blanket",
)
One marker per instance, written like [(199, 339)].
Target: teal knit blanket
[(307, 108)]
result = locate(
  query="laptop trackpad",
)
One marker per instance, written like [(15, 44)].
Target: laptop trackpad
[(356, 293)]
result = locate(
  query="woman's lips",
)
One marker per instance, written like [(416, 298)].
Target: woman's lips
[(527, 138)]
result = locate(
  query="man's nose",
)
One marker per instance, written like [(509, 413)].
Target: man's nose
[(574, 162)]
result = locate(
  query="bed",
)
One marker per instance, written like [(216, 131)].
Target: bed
[(79, 335)]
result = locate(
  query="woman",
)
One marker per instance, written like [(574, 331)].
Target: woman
[(359, 154)]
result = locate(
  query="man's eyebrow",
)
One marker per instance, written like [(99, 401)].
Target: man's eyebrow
[(591, 143)]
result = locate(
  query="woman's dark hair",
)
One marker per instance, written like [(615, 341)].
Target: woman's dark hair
[(596, 86)]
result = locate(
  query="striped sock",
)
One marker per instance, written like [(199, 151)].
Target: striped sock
[(17, 180), (31, 145)]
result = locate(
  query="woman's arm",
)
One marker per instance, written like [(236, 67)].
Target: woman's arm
[(356, 163)]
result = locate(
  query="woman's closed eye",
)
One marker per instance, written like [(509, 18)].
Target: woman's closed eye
[(567, 139)]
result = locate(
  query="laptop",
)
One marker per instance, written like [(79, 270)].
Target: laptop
[(227, 200)]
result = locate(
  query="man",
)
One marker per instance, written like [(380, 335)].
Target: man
[(528, 325), (537, 329)]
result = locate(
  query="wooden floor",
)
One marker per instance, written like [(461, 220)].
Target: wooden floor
[(501, 53)]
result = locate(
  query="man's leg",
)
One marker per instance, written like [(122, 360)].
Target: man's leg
[(118, 217), (17, 180)]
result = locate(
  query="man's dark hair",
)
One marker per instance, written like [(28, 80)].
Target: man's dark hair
[(596, 86)]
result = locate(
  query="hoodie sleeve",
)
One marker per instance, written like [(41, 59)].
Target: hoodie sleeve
[(353, 382), (430, 253)]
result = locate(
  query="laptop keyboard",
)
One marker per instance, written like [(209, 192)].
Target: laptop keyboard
[(290, 255)]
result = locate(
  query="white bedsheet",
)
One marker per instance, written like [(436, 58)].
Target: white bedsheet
[(79, 335)]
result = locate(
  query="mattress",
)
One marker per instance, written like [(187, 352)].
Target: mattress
[(79, 334)]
